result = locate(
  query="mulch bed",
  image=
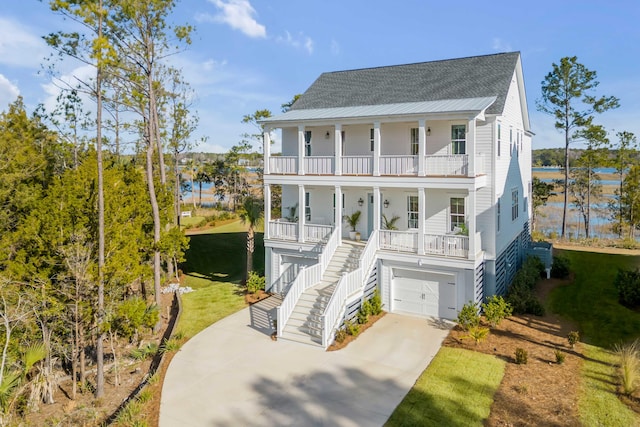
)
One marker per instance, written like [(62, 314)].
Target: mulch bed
[(340, 345), (250, 298)]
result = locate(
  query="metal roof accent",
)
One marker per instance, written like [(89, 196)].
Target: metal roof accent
[(471, 105)]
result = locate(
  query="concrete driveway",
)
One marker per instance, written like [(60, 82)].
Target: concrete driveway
[(233, 374)]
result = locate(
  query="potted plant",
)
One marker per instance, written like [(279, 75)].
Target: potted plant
[(389, 223), (353, 221)]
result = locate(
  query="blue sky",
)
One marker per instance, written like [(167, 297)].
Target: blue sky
[(253, 54)]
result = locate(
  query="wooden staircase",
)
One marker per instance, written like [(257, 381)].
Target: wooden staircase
[(305, 323)]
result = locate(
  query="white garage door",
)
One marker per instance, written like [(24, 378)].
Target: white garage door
[(424, 294)]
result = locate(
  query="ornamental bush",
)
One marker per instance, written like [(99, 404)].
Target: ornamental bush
[(560, 267), (255, 282), (496, 309), (627, 282), (469, 316)]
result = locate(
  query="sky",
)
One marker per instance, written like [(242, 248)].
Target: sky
[(248, 55)]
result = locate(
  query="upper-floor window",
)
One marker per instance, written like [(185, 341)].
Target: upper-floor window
[(415, 141), (307, 143), (372, 137), (458, 139), (510, 141), (514, 204), (412, 211), (456, 213), (307, 206), (499, 137)]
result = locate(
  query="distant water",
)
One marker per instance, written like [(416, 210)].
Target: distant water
[(558, 169)]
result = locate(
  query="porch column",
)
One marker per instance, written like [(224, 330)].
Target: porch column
[(267, 209), (376, 208), (338, 213), (266, 142), (302, 212), (376, 148), (338, 150), (301, 150), (421, 220), (470, 148), (422, 142), (471, 220)]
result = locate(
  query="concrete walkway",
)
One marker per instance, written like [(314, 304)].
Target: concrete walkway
[(233, 374)]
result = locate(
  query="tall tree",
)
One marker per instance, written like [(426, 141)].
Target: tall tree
[(287, 105), (540, 194), (622, 160), (251, 215), (630, 200), (567, 95)]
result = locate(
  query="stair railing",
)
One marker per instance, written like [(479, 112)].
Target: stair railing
[(348, 284), (306, 278)]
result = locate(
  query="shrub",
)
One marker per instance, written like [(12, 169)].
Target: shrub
[(131, 314), (560, 267), (362, 316), (522, 357), (627, 282), (520, 294), (144, 352), (255, 282), (628, 366), (376, 303), (469, 316), (341, 335), (573, 337), (170, 345), (560, 356), (352, 328), (478, 333), (496, 309)]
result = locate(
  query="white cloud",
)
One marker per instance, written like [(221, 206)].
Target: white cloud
[(238, 14), (8, 92), (501, 45), (20, 46), (66, 81), (300, 42)]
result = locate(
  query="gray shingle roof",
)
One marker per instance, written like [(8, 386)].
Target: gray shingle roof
[(472, 77)]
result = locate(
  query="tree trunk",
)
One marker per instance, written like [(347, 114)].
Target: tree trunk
[(156, 226), (83, 357), (250, 249), (566, 183)]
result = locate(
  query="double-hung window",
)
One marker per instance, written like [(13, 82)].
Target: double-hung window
[(499, 137), (372, 137), (458, 139), (415, 141), (307, 143), (456, 213), (412, 211), (510, 141), (307, 206), (514, 204)]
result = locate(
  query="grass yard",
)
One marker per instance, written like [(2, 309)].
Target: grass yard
[(592, 300), (214, 268), (455, 390)]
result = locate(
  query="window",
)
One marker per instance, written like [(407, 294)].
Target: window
[(334, 206), (498, 214), (458, 139), (510, 141), (307, 143), (415, 141), (307, 206), (456, 212), (499, 137), (344, 143), (372, 138), (412, 211), (514, 204)]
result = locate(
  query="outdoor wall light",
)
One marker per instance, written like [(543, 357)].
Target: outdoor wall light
[(428, 131), (360, 201), (386, 203), (327, 135)]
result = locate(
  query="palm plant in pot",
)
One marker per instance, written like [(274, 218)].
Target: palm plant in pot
[(353, 221)]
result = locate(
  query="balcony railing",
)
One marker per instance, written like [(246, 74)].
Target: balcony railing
[(317, 233), (398, 165), (450, 245), (282, 230), (402, 241), (283, 165), (357, 165), (448, 165)]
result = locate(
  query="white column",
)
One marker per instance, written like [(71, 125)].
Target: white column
[(338, 149), (421, 220), (422, 147), (376, 208), (471, 220), (338, 214), (266, 142), (267, 209), (471, 146), (376, 148), (301, 150), (301, 212)]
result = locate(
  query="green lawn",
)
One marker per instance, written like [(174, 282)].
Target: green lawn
[(456, 389), (592, 301), (214, 268)]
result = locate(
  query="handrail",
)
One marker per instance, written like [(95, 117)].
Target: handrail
[(347, 285), (306, 278)]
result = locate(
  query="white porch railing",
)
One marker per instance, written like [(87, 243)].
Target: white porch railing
[(448, 165), (402, 241), (306, 278), (316, 232), (283, 165), (319, 165), (349, 284), (283, 230), (357, 165), (398, 165), (446, 244)]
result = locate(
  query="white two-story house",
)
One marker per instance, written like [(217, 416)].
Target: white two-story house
[(444, 146)]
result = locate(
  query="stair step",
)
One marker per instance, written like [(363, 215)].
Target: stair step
[(302, 339), (303, 330)]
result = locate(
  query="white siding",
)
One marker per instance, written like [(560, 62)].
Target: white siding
[(290, 141), (485, 213)]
